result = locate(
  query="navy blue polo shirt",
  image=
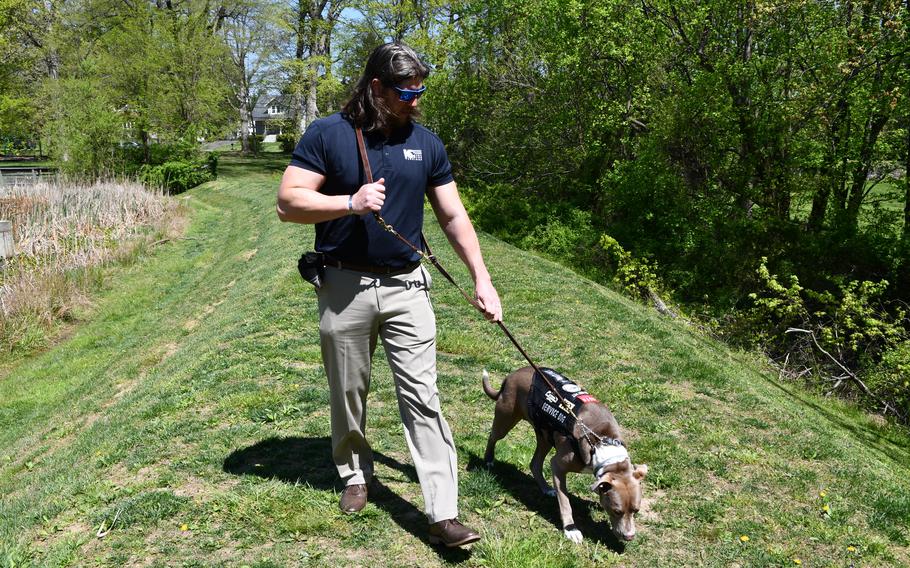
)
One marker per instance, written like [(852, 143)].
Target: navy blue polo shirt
[(411, 160)]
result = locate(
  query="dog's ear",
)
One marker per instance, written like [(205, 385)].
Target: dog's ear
[(640, 472), (603, 484)]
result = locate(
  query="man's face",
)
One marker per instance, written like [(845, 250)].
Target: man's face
[(402, 111)]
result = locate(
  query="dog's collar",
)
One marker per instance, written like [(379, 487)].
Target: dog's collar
[(608, 452)]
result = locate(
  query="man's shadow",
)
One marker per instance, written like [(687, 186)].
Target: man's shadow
[(522, 487), (309, 460)]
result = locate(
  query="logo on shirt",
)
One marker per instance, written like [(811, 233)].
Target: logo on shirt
[(415, 155)]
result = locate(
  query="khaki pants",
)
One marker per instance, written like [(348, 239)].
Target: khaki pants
[(355, 309)]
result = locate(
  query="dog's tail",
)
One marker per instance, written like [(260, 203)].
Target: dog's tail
[(487, 388)]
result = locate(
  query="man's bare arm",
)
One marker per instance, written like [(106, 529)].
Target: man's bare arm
[(453, 219), (300, 201)]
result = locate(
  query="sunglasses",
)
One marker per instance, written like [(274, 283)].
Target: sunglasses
[(408, 95)]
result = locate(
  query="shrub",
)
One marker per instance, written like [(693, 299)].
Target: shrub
[(849, 321), (177, 177), (288, 142), (570, 240), (568, 237), (636, 277), (776, 308), (503, 210), (858, 325), (211, 162), (180, 150), (256, 143), (16, 147), (132, 159), (891, 377)]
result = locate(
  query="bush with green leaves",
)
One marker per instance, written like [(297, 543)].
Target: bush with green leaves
[(288, 141), (256, 141), (637, 277), (852, 329), (177, 177), (16, 147), (568, 238), (211, 162), (891, 377), (183, 149)]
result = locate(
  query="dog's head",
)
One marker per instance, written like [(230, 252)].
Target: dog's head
[(620, 496)]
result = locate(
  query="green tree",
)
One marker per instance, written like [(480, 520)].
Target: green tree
[(309, 70), (85, 129), (156, 71), (254, 39)]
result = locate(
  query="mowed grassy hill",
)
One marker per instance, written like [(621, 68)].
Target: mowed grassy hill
[(187, 418)]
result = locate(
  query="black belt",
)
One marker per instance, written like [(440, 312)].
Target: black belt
[(371, 268)]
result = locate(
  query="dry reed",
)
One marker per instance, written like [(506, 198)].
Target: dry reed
[(62, 230)]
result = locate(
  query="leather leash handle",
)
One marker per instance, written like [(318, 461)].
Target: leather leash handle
[(363, 155)]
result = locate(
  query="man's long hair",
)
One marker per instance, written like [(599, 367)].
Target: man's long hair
[(391, 63)]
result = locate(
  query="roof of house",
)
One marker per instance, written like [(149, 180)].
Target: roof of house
[(261, 110)]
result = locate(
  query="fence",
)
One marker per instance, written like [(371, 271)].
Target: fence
[(25, 174)]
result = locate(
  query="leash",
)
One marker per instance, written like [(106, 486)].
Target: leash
[(431, 258)]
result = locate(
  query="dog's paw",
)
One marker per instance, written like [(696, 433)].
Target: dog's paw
[(550, 492), (574, 535)]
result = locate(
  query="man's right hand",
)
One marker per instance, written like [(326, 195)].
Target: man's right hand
[(369, 197)]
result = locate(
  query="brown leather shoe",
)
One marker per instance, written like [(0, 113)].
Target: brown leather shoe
[(353, 498), (452, 533)]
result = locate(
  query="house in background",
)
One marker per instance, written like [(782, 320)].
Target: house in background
[(270, 116)]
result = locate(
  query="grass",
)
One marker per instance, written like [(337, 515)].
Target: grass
[(192, 408)]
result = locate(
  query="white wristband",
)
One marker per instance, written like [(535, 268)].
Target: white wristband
[(350, 205)]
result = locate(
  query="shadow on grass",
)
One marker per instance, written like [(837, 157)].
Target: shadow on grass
[(523, 488), (889, 446), (291, 460), (309, 460)]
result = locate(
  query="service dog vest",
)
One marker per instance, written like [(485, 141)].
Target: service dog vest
[(545, 407)]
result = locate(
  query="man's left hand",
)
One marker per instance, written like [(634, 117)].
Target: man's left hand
[(488, 300)]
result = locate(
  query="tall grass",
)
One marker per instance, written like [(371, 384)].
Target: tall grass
[(63, 231)]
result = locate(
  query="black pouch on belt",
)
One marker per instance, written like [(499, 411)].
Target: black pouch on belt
[(312, 268)]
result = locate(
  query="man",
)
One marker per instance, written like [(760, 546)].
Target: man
[(374, 285)]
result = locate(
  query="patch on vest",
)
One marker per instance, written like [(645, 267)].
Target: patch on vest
[(415, 155), (546, 409)]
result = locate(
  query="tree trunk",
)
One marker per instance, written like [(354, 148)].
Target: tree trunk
[(315, 22), (52, 61), (311, 111), (839, 179), (830, 171), (873, 128), (245, 125), (819, 206), (146, 151)]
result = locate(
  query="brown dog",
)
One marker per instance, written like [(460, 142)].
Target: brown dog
[(617, 482)]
